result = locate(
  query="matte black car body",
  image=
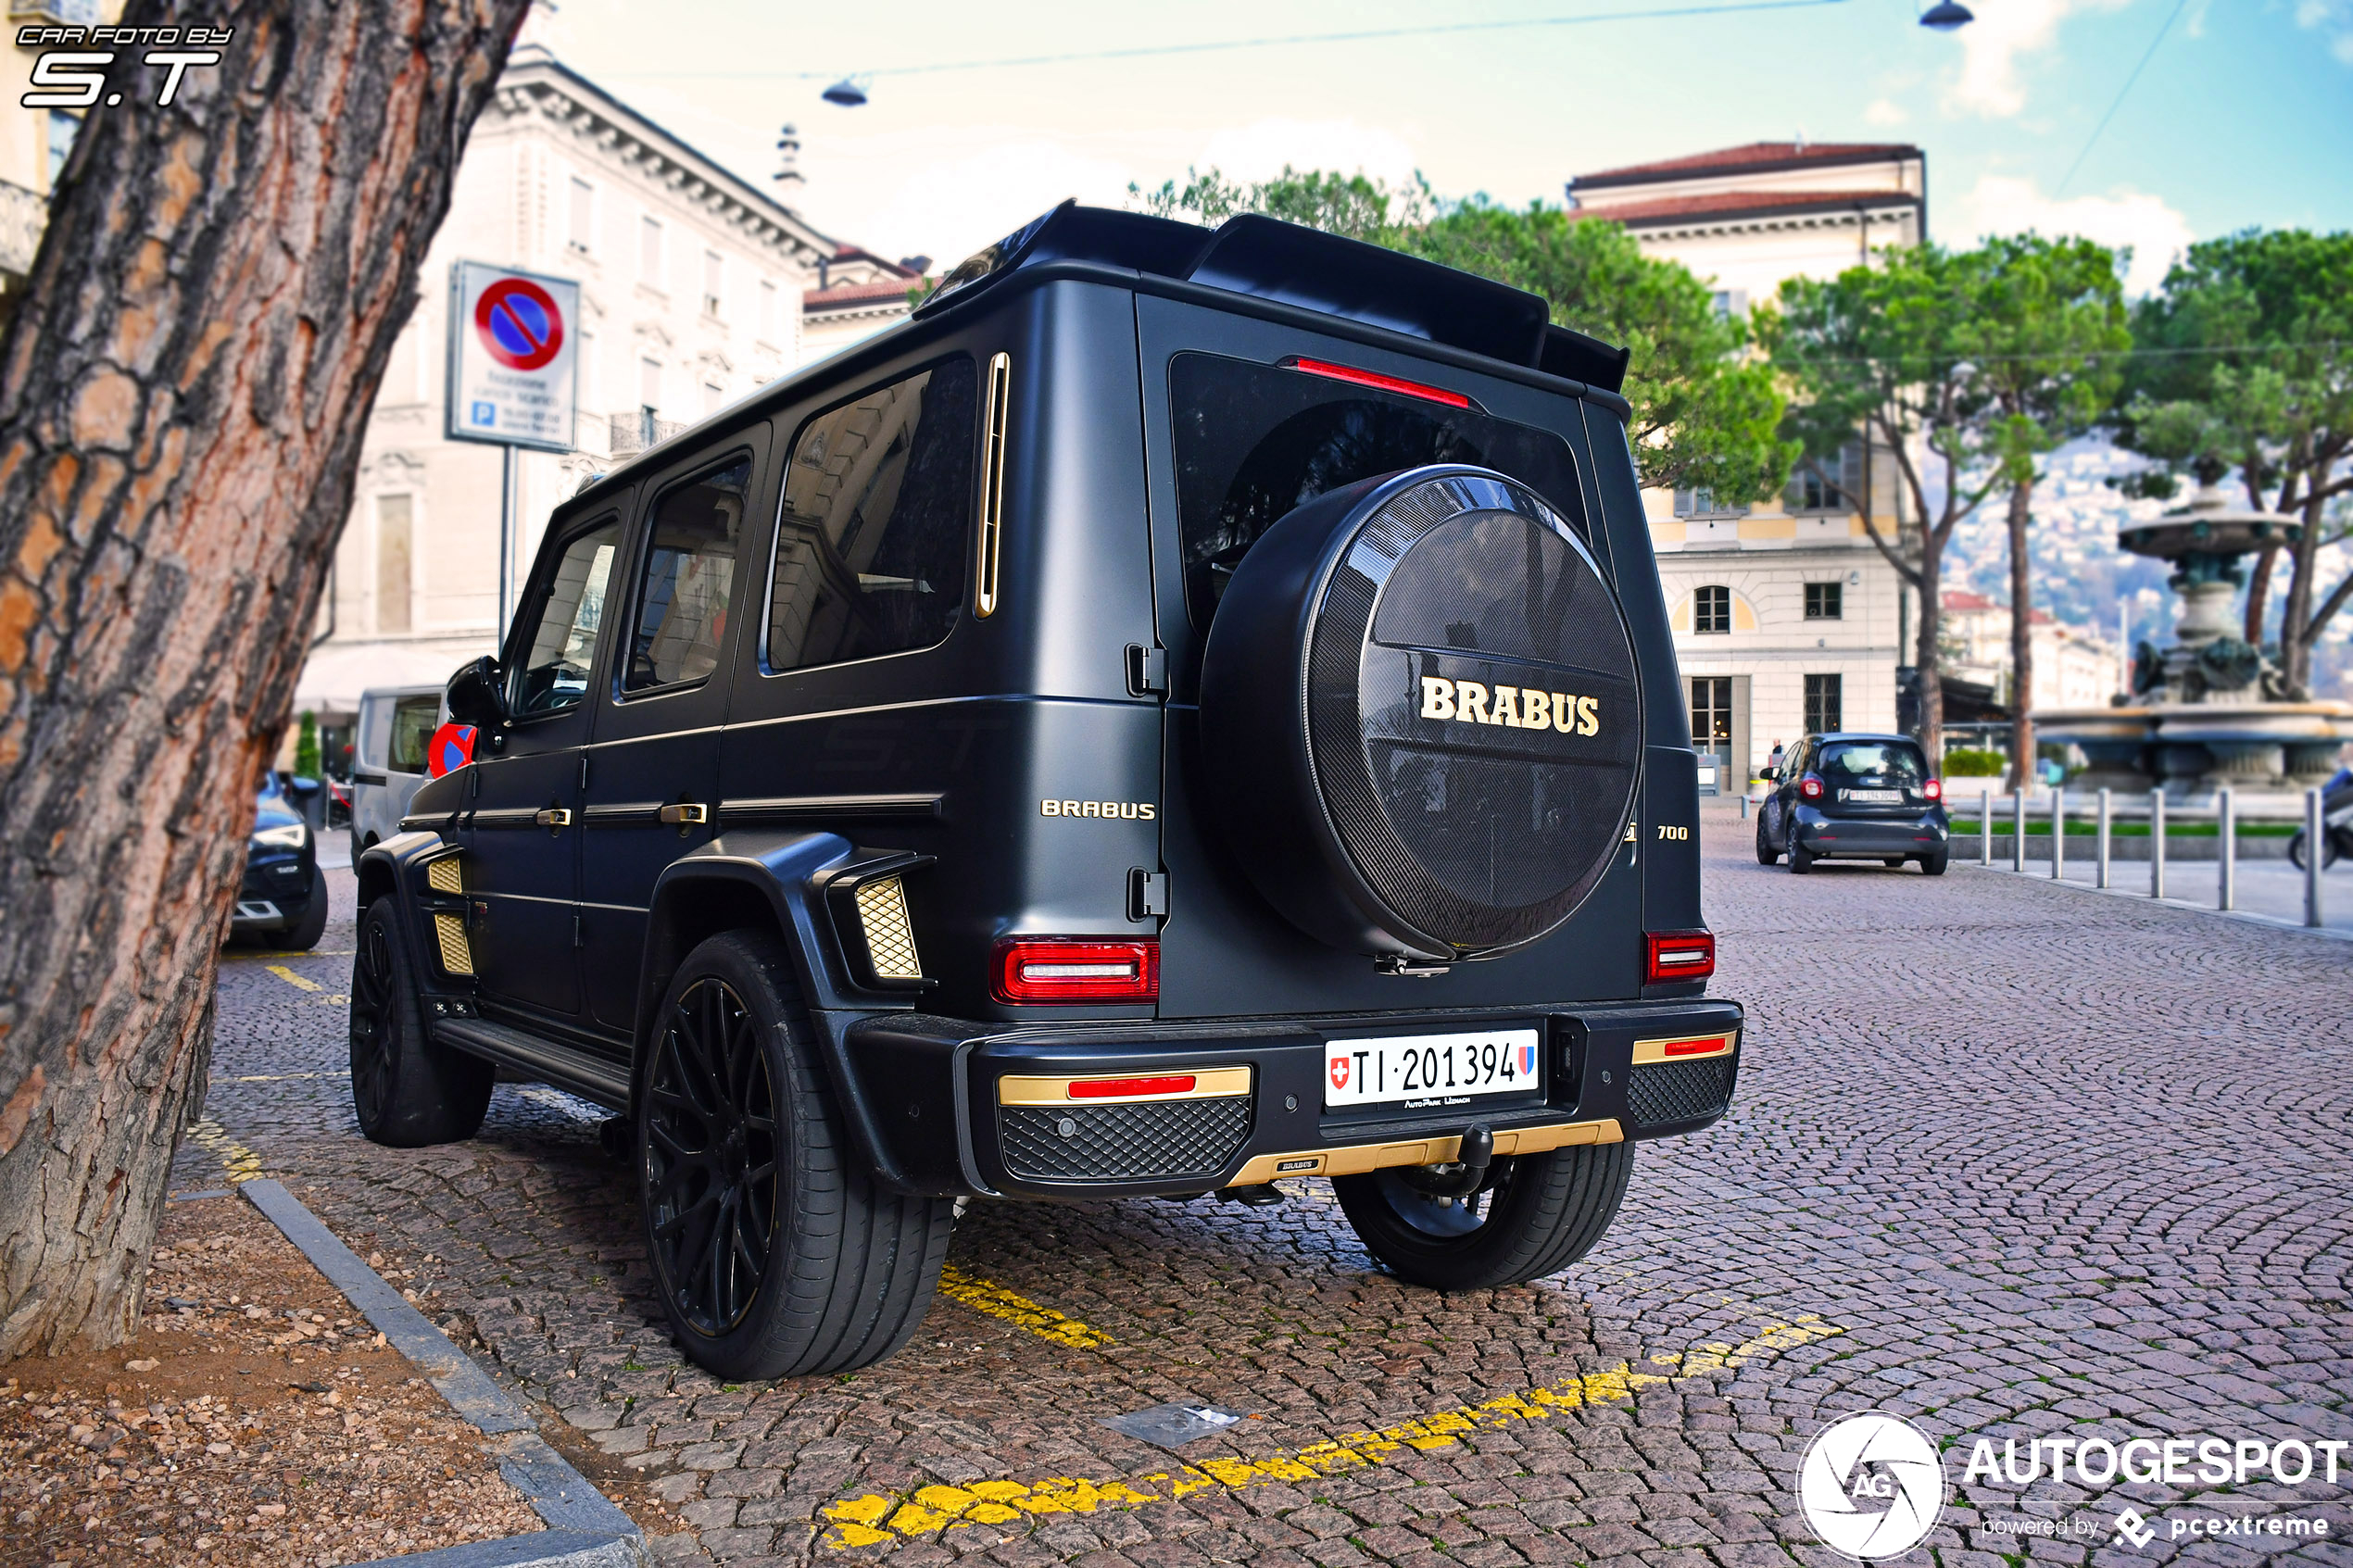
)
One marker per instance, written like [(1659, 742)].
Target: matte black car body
[(1039, 772), (281, 881), (1828, 826)]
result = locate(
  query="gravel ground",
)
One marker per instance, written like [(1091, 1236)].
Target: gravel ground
[(253, 1419)]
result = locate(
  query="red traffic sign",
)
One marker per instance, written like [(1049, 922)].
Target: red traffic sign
[(519, 324), (452, 747)]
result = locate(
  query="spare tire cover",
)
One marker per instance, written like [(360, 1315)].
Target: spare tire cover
[(1419, 717)]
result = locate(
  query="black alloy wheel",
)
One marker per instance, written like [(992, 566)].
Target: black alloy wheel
[(711, 1174), (407, 1090)]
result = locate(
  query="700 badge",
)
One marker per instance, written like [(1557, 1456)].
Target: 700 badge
[(73, 78)]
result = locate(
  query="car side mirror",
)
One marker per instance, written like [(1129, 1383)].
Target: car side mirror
[(477, 694)]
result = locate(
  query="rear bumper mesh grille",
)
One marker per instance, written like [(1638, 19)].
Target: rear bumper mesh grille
[(1678, 1091), (1156, 1139)]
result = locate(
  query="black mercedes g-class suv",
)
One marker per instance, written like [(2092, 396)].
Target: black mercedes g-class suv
[(1187, 708)]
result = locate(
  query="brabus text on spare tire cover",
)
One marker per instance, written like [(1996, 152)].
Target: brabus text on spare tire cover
[(1420, 722)]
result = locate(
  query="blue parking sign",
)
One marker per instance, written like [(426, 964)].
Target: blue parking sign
[(485, 414)]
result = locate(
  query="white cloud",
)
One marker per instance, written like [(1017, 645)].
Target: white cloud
[(2334, 17), (1259, 151), (1885, 111), (902, 194), (2156, 232), (1992, 45)]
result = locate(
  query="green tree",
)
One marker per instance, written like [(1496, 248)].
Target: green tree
[(1885, 349), (1707, 409), (2248, 368), (2045, 337)]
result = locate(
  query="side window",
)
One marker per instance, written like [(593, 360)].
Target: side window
[(690, 570), (877, 523), (413, 721), (563, 641)]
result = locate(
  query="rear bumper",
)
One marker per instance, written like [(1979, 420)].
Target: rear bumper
[(1872, 837), (273, 895), (928, 1098)]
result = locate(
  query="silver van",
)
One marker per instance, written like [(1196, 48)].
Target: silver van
[(396, 725)]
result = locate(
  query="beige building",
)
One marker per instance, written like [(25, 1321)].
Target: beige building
[(858, 295), (33, 142), (1787, 619), (691, 283), (2072, 668)]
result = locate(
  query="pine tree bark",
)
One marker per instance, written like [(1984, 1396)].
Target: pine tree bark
[(2022, 769), (182, 395)]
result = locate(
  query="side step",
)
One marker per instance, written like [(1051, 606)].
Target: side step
[(591, 1079)]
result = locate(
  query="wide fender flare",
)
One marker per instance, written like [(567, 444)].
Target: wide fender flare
[(395, 867), (779, 868)]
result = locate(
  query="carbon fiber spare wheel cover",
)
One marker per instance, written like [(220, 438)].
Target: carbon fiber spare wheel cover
[(1421, 723)]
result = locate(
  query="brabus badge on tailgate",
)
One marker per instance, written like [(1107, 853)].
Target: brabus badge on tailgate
[(1512, 707)]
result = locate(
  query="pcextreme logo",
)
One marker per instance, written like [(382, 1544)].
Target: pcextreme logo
[(1871, 1485), (1512, 707)]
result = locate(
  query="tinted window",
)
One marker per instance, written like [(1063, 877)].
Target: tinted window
[(1895, 762), (1254, 441), (571, 607), (414, 719), (873, 536), (690, 568)]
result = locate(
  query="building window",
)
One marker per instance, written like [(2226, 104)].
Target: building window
[(1827, 484), (1823, 703), (1712, 713), (768, 309), (649, 384), (583, 213), (650, 252), (1701, 502), (1712, 610), (1824, 601), (715, 279), (63, 128), (394, 548), (713, 394)]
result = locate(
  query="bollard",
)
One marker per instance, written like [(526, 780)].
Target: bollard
[(2226, 848), (2058, 834), (2018, 830), (2315, 824), (1985, 826), (2157, 844), (2099, 878), (1743, 805)]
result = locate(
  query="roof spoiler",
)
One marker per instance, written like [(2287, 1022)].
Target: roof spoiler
[(1271, 259)]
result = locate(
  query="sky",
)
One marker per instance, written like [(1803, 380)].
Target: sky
[(2243, 115)]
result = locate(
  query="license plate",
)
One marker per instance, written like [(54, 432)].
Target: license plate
[(1419, 1071), (1873, 797)]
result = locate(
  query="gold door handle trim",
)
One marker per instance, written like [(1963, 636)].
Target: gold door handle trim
[(553, 817), (676, 815)]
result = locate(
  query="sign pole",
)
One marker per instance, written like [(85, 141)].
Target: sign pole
[(506, 541)]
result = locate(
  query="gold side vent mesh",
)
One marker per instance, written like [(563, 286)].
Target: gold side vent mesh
[(442, 876), (456, 957), (890, 941)]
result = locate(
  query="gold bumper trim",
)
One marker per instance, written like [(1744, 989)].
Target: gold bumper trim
[(1209, 1083), (1356, 1160), (1659, 1051)]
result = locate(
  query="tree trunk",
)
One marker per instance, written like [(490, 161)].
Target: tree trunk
[(2297, 630), (2259, 588), (2022, 640), (1930, 659), (182, 395)]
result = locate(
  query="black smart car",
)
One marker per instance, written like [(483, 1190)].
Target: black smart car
[(1855, 797), (1188, 708)]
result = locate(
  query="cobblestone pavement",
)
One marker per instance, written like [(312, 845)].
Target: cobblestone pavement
[(2011, 1161)]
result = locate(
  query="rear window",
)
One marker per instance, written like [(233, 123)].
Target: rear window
[(1853, 761), (1254, 441)]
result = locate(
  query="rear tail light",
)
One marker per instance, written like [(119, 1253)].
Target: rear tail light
[(1810, 786), (1672, 956), (1033, 969), (1933, 789), (1375, 380)]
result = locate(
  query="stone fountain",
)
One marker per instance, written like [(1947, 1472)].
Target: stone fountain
[(2211, 710)]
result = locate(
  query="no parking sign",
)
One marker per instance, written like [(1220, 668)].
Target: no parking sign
[(513, 347)]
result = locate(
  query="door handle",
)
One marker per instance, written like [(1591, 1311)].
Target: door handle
[(680, 816), (553, 817)]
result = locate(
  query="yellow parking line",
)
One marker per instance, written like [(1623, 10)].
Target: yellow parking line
[(296, 981), (241, 1163), (879, 1517), (987, 1296)]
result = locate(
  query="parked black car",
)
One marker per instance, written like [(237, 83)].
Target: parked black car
[(1855, 797), (283, 899), (1187, 708)]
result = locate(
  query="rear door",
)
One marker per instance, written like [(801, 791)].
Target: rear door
[(652, 770)]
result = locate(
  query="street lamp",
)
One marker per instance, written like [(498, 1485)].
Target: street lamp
[(848, 95), (1947, 14)]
